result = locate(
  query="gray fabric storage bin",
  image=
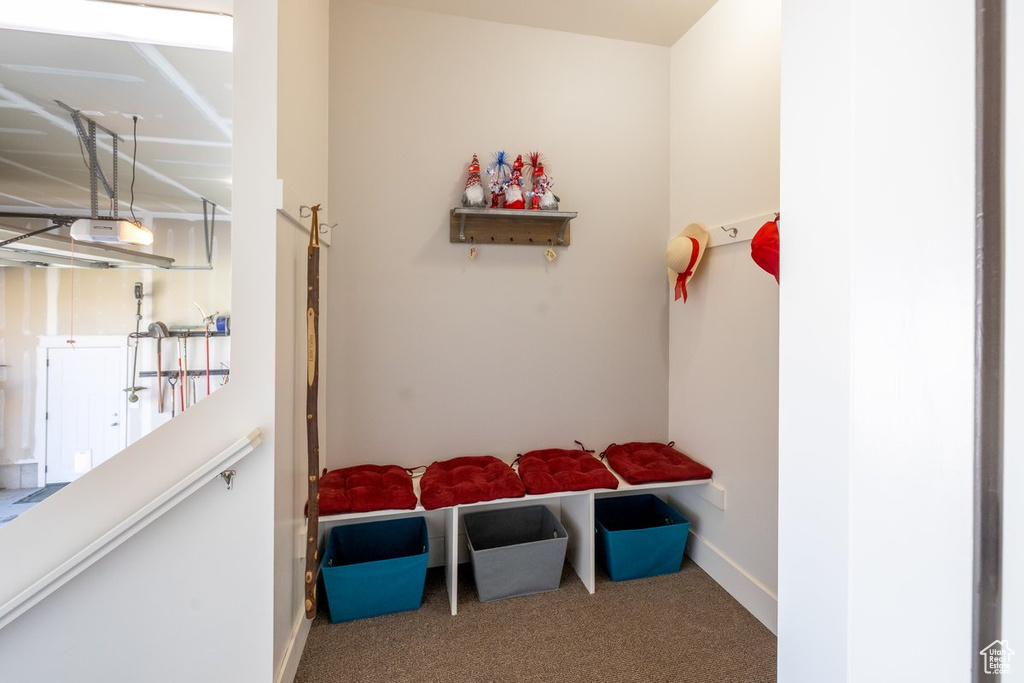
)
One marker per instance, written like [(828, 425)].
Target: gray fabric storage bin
[(517, 551)]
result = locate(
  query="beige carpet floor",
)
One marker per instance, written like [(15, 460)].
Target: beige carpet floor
[(680, 628)]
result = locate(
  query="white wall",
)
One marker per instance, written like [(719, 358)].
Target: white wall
[(876, 402), (169, 606), (913, 339), (723, 356), (814, 341), (434, 355), (302, 129), (302, 167), (202, 613)]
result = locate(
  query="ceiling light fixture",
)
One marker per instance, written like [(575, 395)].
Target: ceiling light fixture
[(116, 21)]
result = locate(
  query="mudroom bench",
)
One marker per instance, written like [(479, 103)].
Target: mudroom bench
[(575, 509)]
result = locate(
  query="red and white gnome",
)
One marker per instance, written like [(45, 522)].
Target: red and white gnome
[(474, 192), (514, 187), (496, 191), (498, 173), (541, 196)]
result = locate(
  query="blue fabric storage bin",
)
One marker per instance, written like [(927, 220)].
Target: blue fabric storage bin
[(375, 568), (639, 536)]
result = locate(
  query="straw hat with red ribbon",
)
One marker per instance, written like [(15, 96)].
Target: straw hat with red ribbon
[(683, 255)]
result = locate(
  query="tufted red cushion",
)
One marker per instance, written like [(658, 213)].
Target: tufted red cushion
[(364, 488), (468, 479), (556, 469), (644, 463)]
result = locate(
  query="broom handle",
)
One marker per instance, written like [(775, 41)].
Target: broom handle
[(312, 395), (159, 379), (181, 379), (185, 400), (207, 358)]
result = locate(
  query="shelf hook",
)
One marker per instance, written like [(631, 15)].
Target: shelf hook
[(229, 478), (305, 211), (732, 232), (325, 228)]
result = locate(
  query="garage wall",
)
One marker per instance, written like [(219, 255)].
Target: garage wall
[(38, 301)]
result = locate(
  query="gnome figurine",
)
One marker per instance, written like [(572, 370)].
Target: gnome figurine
[(541, 196), (473, 196), (496, 191), (498, 174), (514, 187), (548, 199)]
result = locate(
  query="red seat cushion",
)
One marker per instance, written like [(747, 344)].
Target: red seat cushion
[(468, 479), (645, 463), (556, 469), (365, 488)]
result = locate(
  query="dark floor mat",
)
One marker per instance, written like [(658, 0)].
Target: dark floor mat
[(41, 494)]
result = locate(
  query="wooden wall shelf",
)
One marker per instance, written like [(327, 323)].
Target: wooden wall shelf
[(510, 226)]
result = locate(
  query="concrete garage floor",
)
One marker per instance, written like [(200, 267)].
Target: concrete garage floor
[(9, 508)]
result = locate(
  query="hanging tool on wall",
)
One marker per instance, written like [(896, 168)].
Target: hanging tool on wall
[(172, 379), (133, 390), (158, 331), (312, 402), (181, 379), (207, 357), (207, 321), (186, 401)]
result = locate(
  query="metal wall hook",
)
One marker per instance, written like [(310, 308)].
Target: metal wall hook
[(731, 232), (229, 478), (307, 212)]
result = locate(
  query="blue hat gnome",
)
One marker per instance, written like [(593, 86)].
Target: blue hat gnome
[(498, 174)]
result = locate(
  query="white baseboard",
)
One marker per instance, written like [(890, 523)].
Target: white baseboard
[(293, 653), (757, 598)]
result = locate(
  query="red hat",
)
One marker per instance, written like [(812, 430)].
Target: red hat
[(764, 248), (536, 164), (473, 176)]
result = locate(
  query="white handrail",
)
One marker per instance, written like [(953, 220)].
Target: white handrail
[(131, 525)]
